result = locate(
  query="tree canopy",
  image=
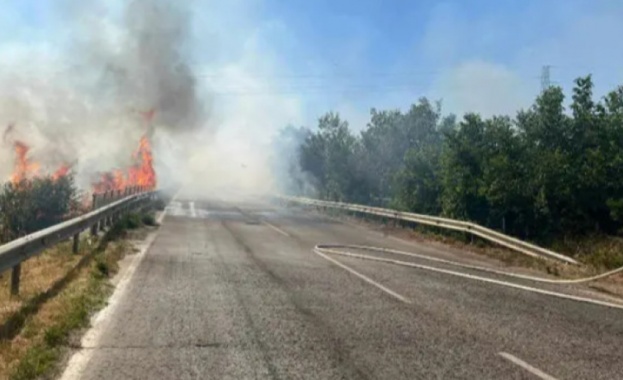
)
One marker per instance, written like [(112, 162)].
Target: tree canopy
[(543, 172)]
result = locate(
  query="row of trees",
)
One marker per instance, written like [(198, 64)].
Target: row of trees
[(546, 171)]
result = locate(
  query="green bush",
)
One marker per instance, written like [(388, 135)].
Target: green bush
[(34, 204), (149, 220), (131, 221)]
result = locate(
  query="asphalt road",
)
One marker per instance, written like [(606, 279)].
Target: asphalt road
[(232, 290)]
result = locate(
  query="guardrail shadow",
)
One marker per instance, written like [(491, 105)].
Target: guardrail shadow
[(16, 321)]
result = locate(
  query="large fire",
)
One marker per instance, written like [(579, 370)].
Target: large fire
[(62, 171), (141, 173), (24, 167)]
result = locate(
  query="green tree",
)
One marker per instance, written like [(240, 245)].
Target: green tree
[(544, 173), (504, 177), (381, 152), (418, 184), (546, 131), (328, 156), (393, 141), (612, 145), (463, 169)]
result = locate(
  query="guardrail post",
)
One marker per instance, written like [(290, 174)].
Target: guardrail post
[(103, 222), (95, 225), (15, 273), (76, 243)]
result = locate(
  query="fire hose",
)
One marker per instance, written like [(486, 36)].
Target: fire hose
[(325, 250), (343, 250)]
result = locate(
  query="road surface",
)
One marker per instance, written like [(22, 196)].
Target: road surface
[(233, 290)]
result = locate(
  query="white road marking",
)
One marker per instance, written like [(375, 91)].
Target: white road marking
[(161, 216), (276, 229), (533, 370), (365, 278), (175, 208), (193, 213), (478, 278), (79, 361)]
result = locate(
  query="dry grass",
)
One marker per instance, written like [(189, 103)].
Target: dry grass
[(37, 275), (32, 334), (59, 290)]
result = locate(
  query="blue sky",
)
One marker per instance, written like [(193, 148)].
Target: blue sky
[(288, 61)]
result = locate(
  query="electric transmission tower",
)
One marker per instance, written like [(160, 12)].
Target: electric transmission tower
[(545, 77)]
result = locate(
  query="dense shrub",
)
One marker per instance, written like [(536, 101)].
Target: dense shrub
[(34, 204)]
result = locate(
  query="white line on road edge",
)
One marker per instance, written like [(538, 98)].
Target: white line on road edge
[(533, 370), (276, 228), (78, 362), (77, 365), (365, 278), (193, 213), (477, 278)]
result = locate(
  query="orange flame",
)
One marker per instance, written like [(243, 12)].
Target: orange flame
[(24, 168), (61, 172), (142, 173)]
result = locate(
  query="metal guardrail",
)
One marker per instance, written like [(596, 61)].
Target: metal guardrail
[(450, 224), (107, 207)]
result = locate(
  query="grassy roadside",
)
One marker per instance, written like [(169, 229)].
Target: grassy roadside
[(36, 345)]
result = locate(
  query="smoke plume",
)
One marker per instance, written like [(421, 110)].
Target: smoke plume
[(151, 69), (119, 74)]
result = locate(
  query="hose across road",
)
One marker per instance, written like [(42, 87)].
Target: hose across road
[(345, 250)]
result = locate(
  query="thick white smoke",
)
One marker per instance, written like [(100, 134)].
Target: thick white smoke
[(85, 103)]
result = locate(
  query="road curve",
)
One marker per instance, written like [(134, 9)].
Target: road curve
[(233, 290)]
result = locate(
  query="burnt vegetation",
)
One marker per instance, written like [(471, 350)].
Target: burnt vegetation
[(545, 173)]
